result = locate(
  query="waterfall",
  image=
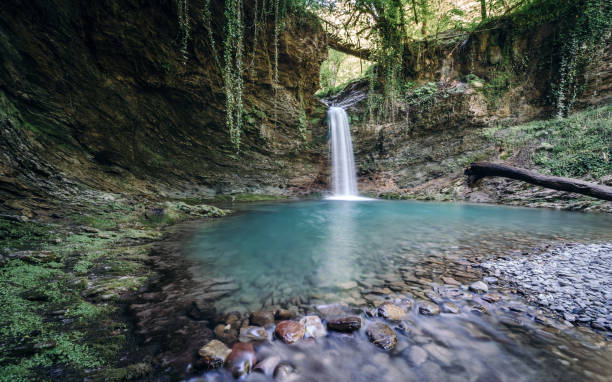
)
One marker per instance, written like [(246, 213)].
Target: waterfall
[(344, 182)]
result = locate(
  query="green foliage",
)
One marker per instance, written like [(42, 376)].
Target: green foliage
[(577, 146), (21, 235)]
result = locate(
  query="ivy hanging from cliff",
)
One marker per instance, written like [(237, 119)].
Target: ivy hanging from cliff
[(185, 27)]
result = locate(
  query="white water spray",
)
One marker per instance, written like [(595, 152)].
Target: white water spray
[(344, 175)]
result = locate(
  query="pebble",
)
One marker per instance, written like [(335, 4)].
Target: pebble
[(241, 359), (428, 308), (345, 324), (391, 311), (382, 335), (450, 281), (479, 287), (314, 327), (449, 307), (290, 331), (253, 333), (214, 354), (262, 318), (491, 297), (573, 280)]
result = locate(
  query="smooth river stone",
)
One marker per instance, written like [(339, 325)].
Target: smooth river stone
[(491, 297), (345, 324), (214, 354), (479, 287), (290, 331), (449, 307), (253, 333), (428, 308), (241, 360), (391, 311), (382, 335), (262, 318), (314, 326), (450, 281)]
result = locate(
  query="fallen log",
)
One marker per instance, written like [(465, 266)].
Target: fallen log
[(480, 170)]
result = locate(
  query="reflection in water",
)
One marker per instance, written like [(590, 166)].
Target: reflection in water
[(336, 266), (300, 255)]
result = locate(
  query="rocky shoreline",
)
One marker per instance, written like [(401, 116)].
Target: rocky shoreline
[(574, 280)]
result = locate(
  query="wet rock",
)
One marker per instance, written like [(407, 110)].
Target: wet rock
[(241, 359), (433, 296), (314, 327), (226, 334), (428, 308), (479, 287), (344, 324), (382, 335), (449, 307), (450, 281), (253, 334), (261, 318), (490, 280), (491, 297), (214, 354), (290, 331), (417, 355), (268, 365), (391, 311), (284, 372), (284, 314), (479, 309)]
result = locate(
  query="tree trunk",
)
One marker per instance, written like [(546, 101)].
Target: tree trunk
[(479, 170)]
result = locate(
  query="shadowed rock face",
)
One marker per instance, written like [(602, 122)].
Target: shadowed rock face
[(97, 86)]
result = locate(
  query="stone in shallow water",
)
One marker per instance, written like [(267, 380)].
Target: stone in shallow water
[(450, 281), (268, 365), (284, 314), (344, 324), (332, 310), (262, 318), (290, 331), (347, 285), (253, 333), (226, 334), (479, 287), (491, 297), (428, 308), (382, 335), (214, 354), (391, 311), (449, 307), (241, 360), (314, 326)]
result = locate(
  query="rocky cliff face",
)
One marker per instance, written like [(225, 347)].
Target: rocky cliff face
[(98, 93), (490, 80)]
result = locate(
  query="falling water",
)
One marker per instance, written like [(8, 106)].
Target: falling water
[(344, 181)]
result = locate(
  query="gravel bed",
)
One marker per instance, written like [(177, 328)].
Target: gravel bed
[(575, 280)]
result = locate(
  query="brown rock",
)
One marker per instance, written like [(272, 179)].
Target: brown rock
[(345, 324), (450, 281), (226, 334), (391, 311), (261, 318), (290, 331), (214, 354), (428, 308), (491, 297), (241, 359), (382, 335)]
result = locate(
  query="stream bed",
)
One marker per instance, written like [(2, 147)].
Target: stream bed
[(332, 258)]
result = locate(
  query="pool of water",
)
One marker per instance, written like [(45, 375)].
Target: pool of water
[(303, 255), (283, 253)]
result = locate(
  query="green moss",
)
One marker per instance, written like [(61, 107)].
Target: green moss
[(249, 197), (20, 235), (577, 146)]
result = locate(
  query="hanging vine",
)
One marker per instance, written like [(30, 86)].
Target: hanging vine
[(185, 28), (233, 47), (207, 18)]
